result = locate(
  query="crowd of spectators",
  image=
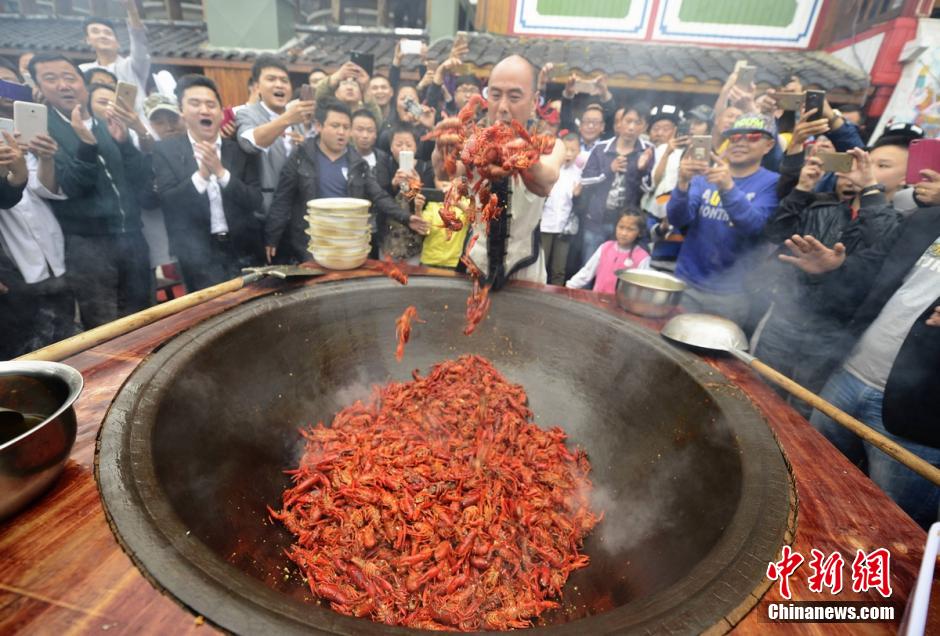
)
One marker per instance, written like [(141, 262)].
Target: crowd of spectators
[(835, 275)]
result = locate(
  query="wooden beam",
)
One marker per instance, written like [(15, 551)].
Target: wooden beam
[(381, 10), (336, 11), (174, 9)]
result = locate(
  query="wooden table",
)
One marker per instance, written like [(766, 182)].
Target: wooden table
[(62, 571)]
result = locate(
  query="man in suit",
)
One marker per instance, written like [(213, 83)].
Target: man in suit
[(265, 127), (209, 190)]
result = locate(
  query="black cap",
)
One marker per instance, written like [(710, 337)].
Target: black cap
[(665, 111), (468, 79)]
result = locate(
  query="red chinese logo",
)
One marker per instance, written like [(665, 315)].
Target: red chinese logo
[(872, 571), (783, 569), (826, 572)]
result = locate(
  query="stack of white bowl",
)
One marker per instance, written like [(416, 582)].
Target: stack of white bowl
[(339, 232)]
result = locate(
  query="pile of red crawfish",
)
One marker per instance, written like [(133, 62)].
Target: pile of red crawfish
[(439, 505)]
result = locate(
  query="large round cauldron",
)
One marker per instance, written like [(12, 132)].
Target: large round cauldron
[(694, 488)]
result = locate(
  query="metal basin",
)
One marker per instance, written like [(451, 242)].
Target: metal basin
[(694, 488), (646, 292), (34, 453)]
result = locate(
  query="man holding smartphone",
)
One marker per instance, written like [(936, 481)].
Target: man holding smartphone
[(101, 173), (100, 36), (721, 208), (265, 127)]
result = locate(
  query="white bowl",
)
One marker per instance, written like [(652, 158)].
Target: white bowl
[(339, 259), (338, 223), (339, 207)]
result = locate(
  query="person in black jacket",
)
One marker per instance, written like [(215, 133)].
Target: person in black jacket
[(889, 377), (323, 166), (100, 172), (799, 334), (209, 189)]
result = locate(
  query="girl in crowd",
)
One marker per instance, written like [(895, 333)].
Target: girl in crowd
[(625, 252)]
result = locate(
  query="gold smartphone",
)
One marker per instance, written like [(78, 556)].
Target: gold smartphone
[(126, 94), (700, 147), (789, 101), (836, 161)]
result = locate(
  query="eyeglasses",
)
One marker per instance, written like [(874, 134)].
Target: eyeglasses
[(751, 137)]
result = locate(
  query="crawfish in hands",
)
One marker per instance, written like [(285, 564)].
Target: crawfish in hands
[(403, 329)]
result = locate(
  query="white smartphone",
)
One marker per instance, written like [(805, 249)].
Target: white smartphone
[(406, 160), (30, 120), (410, 47)]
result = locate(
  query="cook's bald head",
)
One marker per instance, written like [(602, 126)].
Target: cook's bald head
[(518, 66)]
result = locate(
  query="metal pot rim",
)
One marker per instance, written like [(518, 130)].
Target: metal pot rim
[(55, 370), (650, 279)]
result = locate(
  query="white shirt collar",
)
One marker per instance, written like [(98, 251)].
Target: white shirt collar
[(192, 140)]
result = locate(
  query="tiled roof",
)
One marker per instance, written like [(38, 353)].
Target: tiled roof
[(329, 48), (631, 60), (189, 40)]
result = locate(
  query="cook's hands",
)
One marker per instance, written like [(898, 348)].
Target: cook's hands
[(805, 128), (928, 192), (13, 161), (208, 160), (934, 320), (419, 225), (862, 174), (811, 256), (720, 174), (688, 168), (43, 147), (810, 175), (79, 127)]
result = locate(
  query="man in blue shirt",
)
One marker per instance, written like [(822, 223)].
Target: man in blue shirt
[(324, 166), (721, 208)]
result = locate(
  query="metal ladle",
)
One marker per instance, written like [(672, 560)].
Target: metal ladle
[(714, 333)]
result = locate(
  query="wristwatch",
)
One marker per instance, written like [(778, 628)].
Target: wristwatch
[(878, 187)]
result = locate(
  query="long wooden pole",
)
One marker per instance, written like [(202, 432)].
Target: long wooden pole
[(920, 466), (93, 337)]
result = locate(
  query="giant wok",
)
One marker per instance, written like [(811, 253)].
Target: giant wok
[(693, 486)]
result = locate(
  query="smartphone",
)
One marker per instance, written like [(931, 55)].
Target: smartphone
[(586, 86), (815, 99), (836, 161), (684, 128), (414, 108), (700, 147), (30, 120), (406, 160), (410, 47), (789, 101), (306, 93), (126, 94), (228, 116), (15, 92), (922, 154), (365, 61), (746, 76), (463, 69)]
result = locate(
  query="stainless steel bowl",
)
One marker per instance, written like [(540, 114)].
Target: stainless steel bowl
[(646, 292), (34, 453)]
